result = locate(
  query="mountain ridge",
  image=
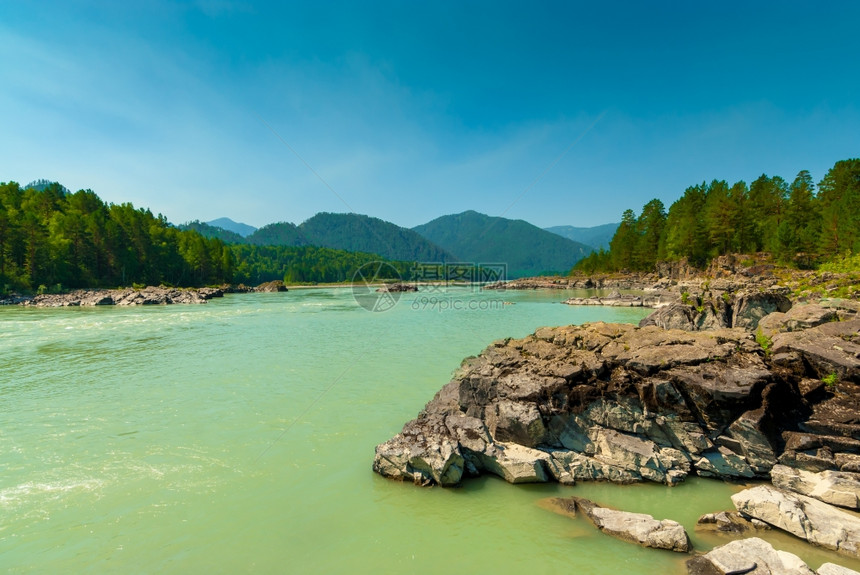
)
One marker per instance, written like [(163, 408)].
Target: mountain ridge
[(525, 248)]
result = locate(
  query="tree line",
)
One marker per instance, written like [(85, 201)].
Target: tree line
[(54, 240), (797, 223)]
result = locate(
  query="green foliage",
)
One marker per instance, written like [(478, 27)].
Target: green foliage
[(800, 227), (685, 298), (302, 264), (51, 237), (843, 264), (764, 341), (830, 380)]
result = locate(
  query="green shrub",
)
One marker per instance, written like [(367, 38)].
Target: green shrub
[(764, 341), (830, 380)]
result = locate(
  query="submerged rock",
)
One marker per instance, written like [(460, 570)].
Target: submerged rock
[(634, 527), (728, 522)]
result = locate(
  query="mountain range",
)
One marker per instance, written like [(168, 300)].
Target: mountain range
[(469, 237)]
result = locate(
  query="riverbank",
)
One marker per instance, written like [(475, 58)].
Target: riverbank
[(674, 281)]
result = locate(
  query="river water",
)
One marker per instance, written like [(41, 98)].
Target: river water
[(238, 436)]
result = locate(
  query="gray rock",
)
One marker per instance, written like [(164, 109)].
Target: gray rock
[(798, 318), (834, 487), (725, 522), (636, 527), (825, 354), (752, 555), (804, 517), (751, 306)]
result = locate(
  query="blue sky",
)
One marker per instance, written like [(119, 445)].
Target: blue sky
[(559, 113)]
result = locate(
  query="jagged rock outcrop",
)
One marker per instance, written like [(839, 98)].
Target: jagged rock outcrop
[(619, 403), (636, 527), (602, 402), (810, 519), (752, 555)]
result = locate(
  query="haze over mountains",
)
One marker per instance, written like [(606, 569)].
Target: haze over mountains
[(243, 230), (469, 237), (596, 237)]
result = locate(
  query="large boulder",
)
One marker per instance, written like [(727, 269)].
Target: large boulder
[(752, 555), (636, 527), (840, 488), (271, 287), (810, 519)]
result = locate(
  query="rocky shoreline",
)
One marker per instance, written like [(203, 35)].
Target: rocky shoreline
[(737, 383), (150, 295)]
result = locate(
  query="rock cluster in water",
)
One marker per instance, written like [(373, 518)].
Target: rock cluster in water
[(150, 295), (625, 404)]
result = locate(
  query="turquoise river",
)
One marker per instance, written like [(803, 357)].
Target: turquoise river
[(238, 436)]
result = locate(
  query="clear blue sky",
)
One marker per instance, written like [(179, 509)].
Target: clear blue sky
[(553, 112)]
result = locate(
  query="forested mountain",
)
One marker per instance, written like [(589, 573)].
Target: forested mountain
[(231, 226), (279, 234), (597, 236), (209, 231), (525, 248), (360, 233), (797, 224)]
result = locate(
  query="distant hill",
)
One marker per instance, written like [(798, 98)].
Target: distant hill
[(42, 185), (278, 234), (525, 248), (243, 230), (596, 237), (359, 233), (210, 231)]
